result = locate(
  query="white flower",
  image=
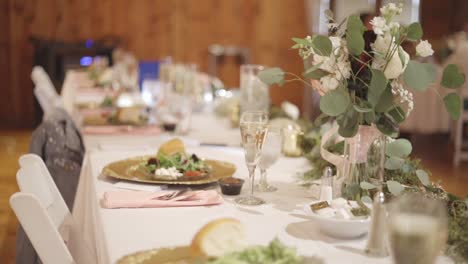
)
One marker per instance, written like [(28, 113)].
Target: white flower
[(391, 9), (424, 49), (394, 27), (392, 67), (379, 25), (404, 95), (329, 83), (336, 42), (290, 109), (327, 63), (344, 68), (382, 43), (332, 25), (337, 64)]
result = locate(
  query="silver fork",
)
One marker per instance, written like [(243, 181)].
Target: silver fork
[(174, 194)]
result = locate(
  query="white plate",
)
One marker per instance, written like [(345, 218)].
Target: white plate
[(339, 228)]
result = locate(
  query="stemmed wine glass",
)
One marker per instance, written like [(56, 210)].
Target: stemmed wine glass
[(270, 153), (417, 229), (253, 128)]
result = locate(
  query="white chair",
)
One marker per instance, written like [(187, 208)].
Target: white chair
[(40, 229), (34, 178), (44, 90), (40, 77), (460, 147), (459, 57)]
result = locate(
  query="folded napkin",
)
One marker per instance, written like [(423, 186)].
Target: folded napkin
[(99, 111), (134, 130), (142, 199)]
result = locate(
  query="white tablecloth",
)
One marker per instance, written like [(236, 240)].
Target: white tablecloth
[(114, 233), (117, 232)]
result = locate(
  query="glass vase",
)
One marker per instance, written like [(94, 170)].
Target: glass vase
[(254, 94), (364, 160)]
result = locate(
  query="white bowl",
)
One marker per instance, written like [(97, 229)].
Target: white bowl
[(339, 228)]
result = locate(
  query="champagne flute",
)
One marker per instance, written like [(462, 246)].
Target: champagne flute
[(417, 229), (253, 128), (270, 153)]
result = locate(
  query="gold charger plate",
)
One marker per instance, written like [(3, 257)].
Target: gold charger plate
[(176, 255), (127, 170)]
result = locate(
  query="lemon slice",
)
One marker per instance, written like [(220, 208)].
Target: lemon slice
[(172, 147), (218, 238)]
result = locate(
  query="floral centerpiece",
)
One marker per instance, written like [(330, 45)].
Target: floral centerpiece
[(366, 80), (366, 77)]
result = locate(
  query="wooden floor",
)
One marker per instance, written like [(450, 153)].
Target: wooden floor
[(435, 151), (12, 145)]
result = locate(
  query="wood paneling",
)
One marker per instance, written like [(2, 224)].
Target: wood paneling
[(152, 29), (442, 18)]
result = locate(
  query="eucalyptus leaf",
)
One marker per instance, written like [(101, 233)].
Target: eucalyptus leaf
[(399, 148), (366, 199), (348, 123), (296, 46), (415, 31), (369, 117), (394, 163), (367, 186), (423, 177), (321, 119), (354, 35), (272, 76), (402, 56), (377, 86), (322, 45), (418, 75), (314, 73), (387, 125), (452, 77), (398, 114), (348, 132), (362, 109), (301, 41), (385, 101), (334, 102), (452, 102), (350, 191), (395, 187)]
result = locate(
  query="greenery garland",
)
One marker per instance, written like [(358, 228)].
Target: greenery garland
[(410, 174)]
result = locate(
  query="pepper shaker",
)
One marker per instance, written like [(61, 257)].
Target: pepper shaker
[(326, 186), (377, 242)]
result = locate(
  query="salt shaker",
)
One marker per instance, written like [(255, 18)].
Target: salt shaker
[(377, 242), (326, 187)]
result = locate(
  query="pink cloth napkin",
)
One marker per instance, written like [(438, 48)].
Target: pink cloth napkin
[(144, 199), (101, 111), (109, 130)]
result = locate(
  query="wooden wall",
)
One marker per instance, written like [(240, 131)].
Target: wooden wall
[(152, 29), (441, 18)]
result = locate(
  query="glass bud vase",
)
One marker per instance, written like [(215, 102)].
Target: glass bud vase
[(364, 160)]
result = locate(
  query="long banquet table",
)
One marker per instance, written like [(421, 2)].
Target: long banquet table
[(114, 233)]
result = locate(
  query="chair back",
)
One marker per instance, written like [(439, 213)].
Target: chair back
[(40, 229), (44, 90), (34, 177), (40, 78)]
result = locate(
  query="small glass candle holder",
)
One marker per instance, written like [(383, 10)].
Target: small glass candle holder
[(292, 138)]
